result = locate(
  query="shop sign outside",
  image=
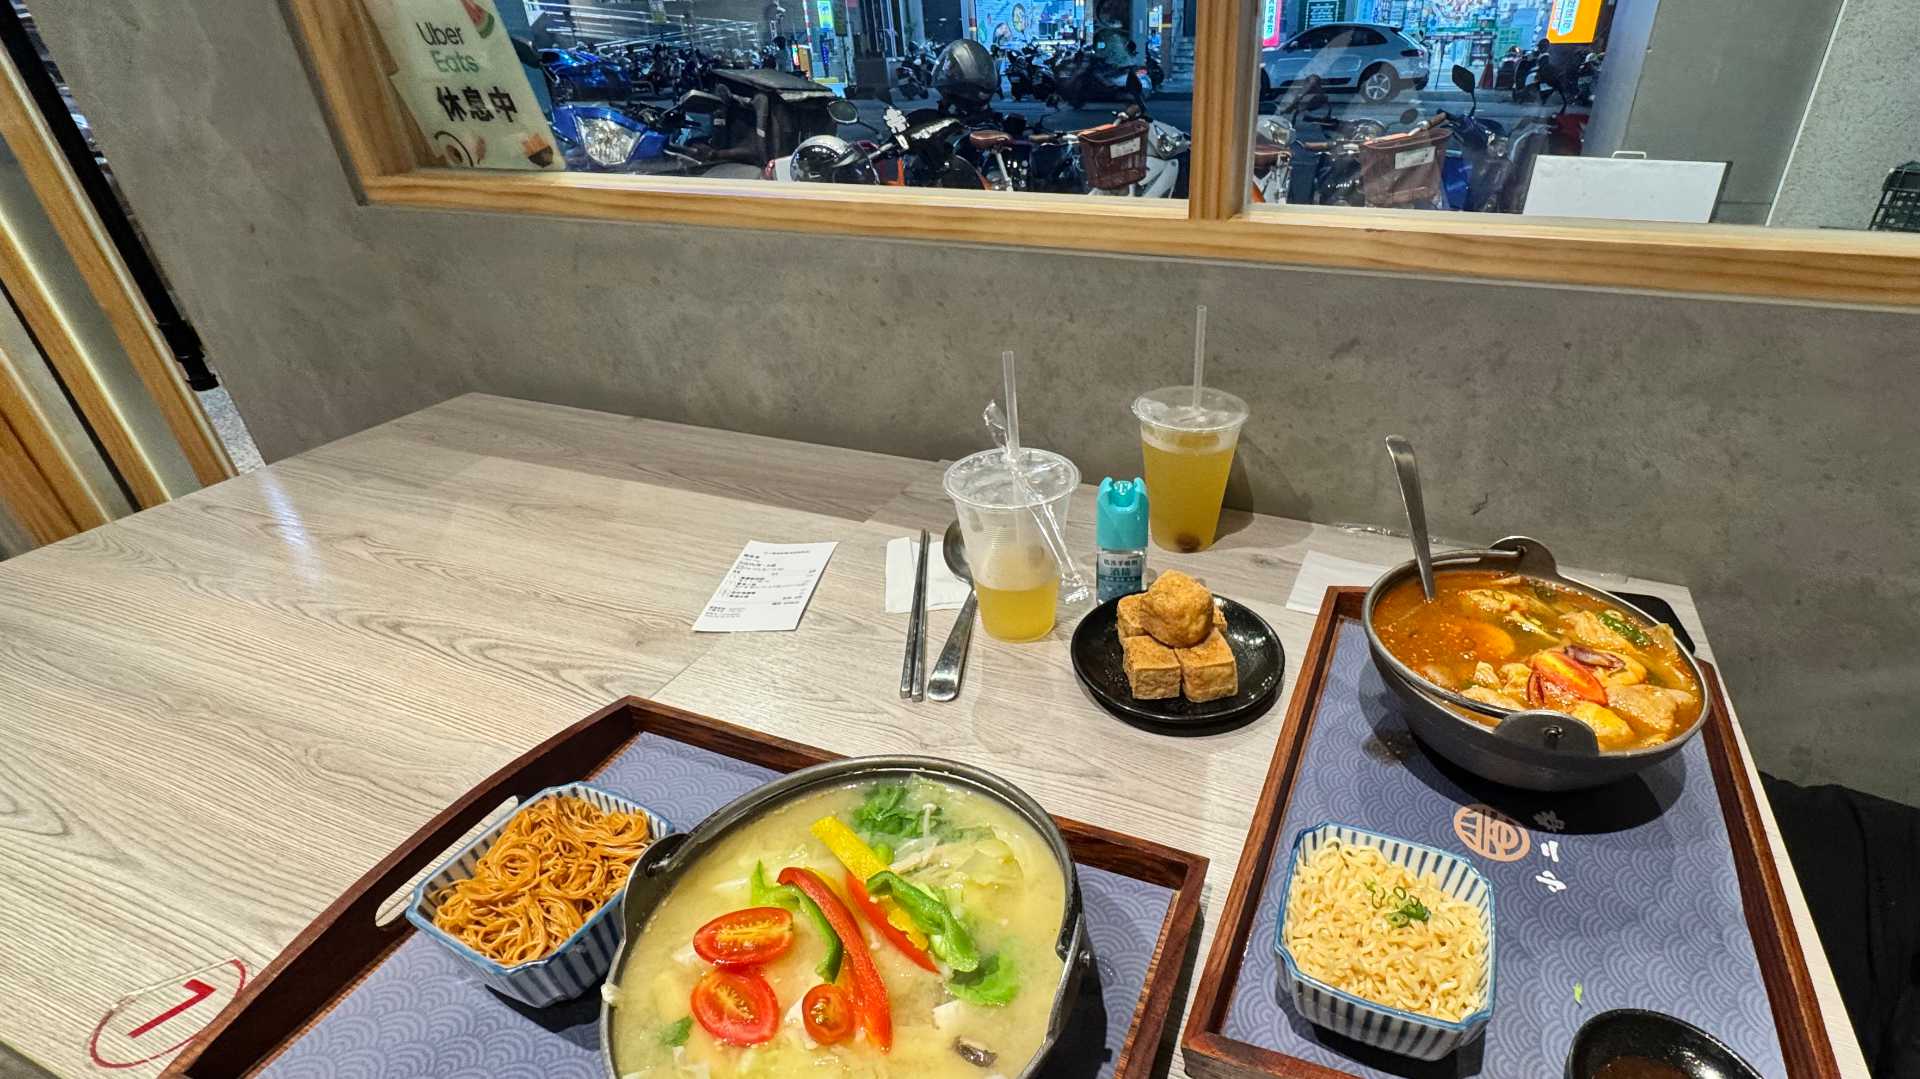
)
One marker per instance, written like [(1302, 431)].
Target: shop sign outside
[(1573, 22), (464, 84)]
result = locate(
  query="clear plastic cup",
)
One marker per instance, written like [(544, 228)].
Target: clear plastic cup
[(1188, 451), (1014, 573)]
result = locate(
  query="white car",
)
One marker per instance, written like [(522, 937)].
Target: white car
[(1376, 62)]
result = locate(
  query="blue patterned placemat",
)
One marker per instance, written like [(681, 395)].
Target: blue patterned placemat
[(1622, 898), (421, 1015)]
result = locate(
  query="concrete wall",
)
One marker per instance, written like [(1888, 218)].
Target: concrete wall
[(1761, 453), (1727, 81), (1863, 120)]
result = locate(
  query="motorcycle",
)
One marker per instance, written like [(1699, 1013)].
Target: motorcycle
[(913, 73), (1029, 76), (1477, 172), (907, 154), (1169, 158), (1082, 77)]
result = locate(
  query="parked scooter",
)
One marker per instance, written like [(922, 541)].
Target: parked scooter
[(907, 154), (1084, 77), (913, 73), (1029, 74), (1169, 158), (1477, 170)]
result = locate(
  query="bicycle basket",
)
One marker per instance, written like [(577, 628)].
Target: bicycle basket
[(1114, 155), (1404, 169)]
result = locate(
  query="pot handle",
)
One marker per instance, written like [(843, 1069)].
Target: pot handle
[(1554, 732), (1534, 561)]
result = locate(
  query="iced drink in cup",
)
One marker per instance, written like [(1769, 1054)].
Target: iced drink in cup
[(1188, 449), (1014, 573)]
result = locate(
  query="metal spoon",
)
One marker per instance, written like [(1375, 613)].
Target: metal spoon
[(944, 685), (1409, 475)]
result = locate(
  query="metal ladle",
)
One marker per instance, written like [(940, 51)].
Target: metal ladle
[(1408, 473), (944, 683)]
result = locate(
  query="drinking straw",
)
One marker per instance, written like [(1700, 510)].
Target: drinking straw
[(1199, 351), (1013, 409)]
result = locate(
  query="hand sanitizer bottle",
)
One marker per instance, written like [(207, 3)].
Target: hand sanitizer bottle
[(1120, 533)]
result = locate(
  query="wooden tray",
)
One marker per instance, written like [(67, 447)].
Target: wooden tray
[(344, 944), (1212, 1054)]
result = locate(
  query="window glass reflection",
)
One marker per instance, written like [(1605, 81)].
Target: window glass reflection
[(1418, 104), (1074, 97)]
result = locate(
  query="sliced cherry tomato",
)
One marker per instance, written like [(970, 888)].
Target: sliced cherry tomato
[(736, 1006), (869, 992), (745, 938), (878, 919), (827, 1011), (1558, 680)]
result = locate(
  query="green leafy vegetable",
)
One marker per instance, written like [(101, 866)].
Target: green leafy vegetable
[(892, 814), (947, 938), (676, 1033), (993, 983), (787, 897), (1615, 622)]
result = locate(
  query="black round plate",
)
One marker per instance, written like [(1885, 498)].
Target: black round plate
[(1655, 1036), (1256, 649)]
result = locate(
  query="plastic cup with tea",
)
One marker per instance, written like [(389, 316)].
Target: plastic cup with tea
[(1187, 441), (1015, 575)]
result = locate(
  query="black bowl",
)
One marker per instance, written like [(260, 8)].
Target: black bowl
[(1097, 661), (1654, 1036)]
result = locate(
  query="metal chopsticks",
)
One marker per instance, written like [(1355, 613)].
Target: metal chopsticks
[(913, 671)]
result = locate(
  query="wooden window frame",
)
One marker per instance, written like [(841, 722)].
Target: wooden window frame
[(385, 155)]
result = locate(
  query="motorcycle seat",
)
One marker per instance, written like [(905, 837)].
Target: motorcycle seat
[(1047, 138), (1267, 154), (988, 141)]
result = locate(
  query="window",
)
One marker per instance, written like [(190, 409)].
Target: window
[(1592, 109), (1237, 102), (1054, 97)]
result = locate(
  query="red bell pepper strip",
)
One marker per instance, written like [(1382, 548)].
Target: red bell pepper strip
[(878, 918), (876, 1015)]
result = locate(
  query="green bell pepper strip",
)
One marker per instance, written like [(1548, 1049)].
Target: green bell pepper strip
[(787, 897), (947, 939)]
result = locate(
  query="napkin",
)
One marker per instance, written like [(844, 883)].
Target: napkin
[(1318, 572), (945, 592)]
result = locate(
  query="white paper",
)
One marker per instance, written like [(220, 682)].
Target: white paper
[(767, 588), (945, 592), (1320, 572)]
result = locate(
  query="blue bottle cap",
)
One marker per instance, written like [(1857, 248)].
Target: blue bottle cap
[(1120, 514)]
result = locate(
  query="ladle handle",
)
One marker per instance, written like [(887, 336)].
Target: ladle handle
[(1408, 473)]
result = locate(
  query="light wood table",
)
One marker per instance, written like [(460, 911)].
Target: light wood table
[(220, 712)]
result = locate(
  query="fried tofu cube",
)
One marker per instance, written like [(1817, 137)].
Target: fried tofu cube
[(1178, 611), (1219, 617), (1153, 672), (1127, 615), (1207, 670)]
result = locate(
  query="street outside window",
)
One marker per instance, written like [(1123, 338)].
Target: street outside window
[(1060, 97)]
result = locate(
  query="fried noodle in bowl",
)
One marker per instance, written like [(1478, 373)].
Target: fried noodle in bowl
[(1366, 926), (556, 863)]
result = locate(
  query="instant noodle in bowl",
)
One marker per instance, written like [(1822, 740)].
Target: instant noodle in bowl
[(527, 903), (1387, 942)]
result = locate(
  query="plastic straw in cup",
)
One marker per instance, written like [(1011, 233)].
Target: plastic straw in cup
[(1199, 351), (1013, 409)]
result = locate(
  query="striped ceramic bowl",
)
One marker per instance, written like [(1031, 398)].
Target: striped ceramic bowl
[(581, 960), (1423, 1037)]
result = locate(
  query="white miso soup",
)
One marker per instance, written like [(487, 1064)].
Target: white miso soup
[(729, 976)]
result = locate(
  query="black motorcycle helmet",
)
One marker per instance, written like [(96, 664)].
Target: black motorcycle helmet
[(966, 73)]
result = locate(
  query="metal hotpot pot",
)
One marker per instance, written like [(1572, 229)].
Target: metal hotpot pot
[(663, 863), (1538, 749)]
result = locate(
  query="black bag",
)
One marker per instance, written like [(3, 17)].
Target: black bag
[(767, 114)]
